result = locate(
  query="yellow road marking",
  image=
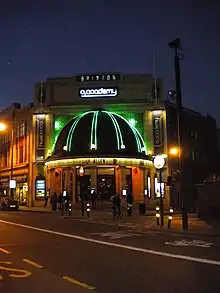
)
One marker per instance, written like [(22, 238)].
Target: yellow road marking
[(18, 273), (78, 283), (32, 263), (4, 251)]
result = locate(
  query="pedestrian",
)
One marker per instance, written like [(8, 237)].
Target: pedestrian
[(94, 198), (118, 204), (46, 198), (60, 201), (114, 206), (129, 200), (53, 201)]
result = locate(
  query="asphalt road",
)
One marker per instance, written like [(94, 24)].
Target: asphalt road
[(45, 253)]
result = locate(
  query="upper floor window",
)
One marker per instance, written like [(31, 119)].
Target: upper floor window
[(193, 134), (21, 129)]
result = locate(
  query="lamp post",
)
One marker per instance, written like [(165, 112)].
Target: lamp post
[(159, 162), (175, 45), (3, 128)]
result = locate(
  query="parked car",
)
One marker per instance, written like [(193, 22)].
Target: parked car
[(8, 204)]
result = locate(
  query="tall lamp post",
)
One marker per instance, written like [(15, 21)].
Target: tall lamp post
[(3, 128), (159, 162), (175, 45)]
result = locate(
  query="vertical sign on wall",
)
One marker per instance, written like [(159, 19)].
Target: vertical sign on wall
[(40, 131), (158, 131)]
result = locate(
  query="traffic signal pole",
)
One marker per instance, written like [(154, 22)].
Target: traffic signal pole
[(176, 46)]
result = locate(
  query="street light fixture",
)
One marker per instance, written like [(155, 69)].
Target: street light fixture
[(176, 45), (3, 126), (159, 162), (174, 151)]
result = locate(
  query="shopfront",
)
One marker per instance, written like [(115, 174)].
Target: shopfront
[(22, 188), (4, 186)]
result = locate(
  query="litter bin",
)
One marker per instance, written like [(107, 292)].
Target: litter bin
[(142, 208)]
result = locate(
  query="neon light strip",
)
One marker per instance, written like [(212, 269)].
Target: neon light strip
[(134, 132), (116, 129), (119, 130), (100, 161), (92, 130), (141, 139), (72, 129), (93, 137), (96, 123)]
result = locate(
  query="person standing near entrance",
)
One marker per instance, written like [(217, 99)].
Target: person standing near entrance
[(118, 204), (129, 204), (53, 201), (46, 198), (94, 198)]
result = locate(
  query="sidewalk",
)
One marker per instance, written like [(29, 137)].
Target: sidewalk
[(140, 222)]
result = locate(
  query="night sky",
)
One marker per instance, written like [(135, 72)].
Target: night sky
[(61, 39)]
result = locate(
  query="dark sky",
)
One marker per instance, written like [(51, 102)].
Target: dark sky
[(67, 37)]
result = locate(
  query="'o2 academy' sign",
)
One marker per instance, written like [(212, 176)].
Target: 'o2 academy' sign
[(98, 92)]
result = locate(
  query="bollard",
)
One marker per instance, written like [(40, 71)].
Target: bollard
[(70, 209), (158, 216), (170, 217), (88, 209)]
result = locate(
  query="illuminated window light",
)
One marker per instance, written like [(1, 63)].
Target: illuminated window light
[(132, 121), (57, 125), (157, 113), (40, 116), (65, 148)]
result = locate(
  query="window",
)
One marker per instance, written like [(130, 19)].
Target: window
[(21, 154), (17, 155), (21, 129), (193, 134)]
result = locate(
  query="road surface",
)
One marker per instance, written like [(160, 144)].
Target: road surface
[(46, 253)]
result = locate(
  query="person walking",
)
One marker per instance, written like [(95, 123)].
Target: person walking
[(53, 201), (46, 198)]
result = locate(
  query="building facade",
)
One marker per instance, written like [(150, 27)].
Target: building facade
[(94, 132), (200, 156), (90, 132)]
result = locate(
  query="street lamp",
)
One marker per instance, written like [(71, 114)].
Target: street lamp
[(175, 45), (159, 162), (4, 127), (174, 151)]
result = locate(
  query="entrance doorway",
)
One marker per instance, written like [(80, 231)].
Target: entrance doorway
[(83, 184), (105, 183)]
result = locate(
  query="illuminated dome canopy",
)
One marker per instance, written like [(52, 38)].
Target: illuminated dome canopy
[(99, 133)]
